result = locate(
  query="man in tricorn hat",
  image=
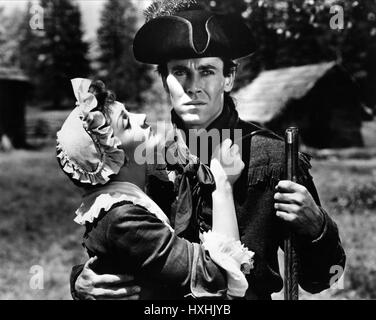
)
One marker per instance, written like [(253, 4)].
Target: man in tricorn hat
[(195, 51)]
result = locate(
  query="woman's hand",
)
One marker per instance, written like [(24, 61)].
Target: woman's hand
[(226, 163)]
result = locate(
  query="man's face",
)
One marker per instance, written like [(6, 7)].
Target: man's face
[(196, 88)]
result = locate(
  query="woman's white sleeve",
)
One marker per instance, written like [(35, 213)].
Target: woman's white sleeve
[(231, 256)]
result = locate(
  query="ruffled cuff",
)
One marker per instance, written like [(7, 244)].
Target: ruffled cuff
[(231, 256)]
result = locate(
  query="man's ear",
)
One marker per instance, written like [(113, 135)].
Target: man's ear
[(229, 81)]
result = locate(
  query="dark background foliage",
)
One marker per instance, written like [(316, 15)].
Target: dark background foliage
[(287, 32)]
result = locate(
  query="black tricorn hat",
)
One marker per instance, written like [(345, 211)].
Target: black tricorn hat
[(193, 33)]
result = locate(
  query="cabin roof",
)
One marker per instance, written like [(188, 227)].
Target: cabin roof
[(13, 74), (267, 95)]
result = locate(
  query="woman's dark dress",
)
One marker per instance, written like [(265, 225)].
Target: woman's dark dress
[(130, 239)]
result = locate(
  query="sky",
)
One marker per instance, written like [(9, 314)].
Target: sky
[(90, 9)]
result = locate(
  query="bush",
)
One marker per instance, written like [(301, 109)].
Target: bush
[(356, 197), (362, 279)]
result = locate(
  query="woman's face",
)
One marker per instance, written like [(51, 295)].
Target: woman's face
[(130, 128)]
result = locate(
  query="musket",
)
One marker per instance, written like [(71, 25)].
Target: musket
[(291, 289)]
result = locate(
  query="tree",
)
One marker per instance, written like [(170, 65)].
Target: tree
[(118, 68), (62, 54), (28, 52), (9, 24), (298, 32), (3, 37), (356, 45), (28, 44), (225, 6)]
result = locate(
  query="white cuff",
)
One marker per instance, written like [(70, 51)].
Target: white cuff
[(231, 256)]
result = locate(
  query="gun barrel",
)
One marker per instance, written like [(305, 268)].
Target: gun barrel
[(292, 150), (291, 268)]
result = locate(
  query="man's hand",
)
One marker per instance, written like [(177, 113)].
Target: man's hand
[(295, 205), (91, 286)]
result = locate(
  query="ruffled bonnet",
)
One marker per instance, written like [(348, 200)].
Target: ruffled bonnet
[(87, 149)]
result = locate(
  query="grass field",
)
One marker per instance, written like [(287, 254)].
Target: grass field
[(37, 227), (347, 189)]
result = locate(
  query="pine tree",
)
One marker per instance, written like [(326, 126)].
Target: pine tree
[(62, 53), (118, 68), (9, 24), (29, 45), (3, 39)]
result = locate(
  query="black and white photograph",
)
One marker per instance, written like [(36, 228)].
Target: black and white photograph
[(187, 150)]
